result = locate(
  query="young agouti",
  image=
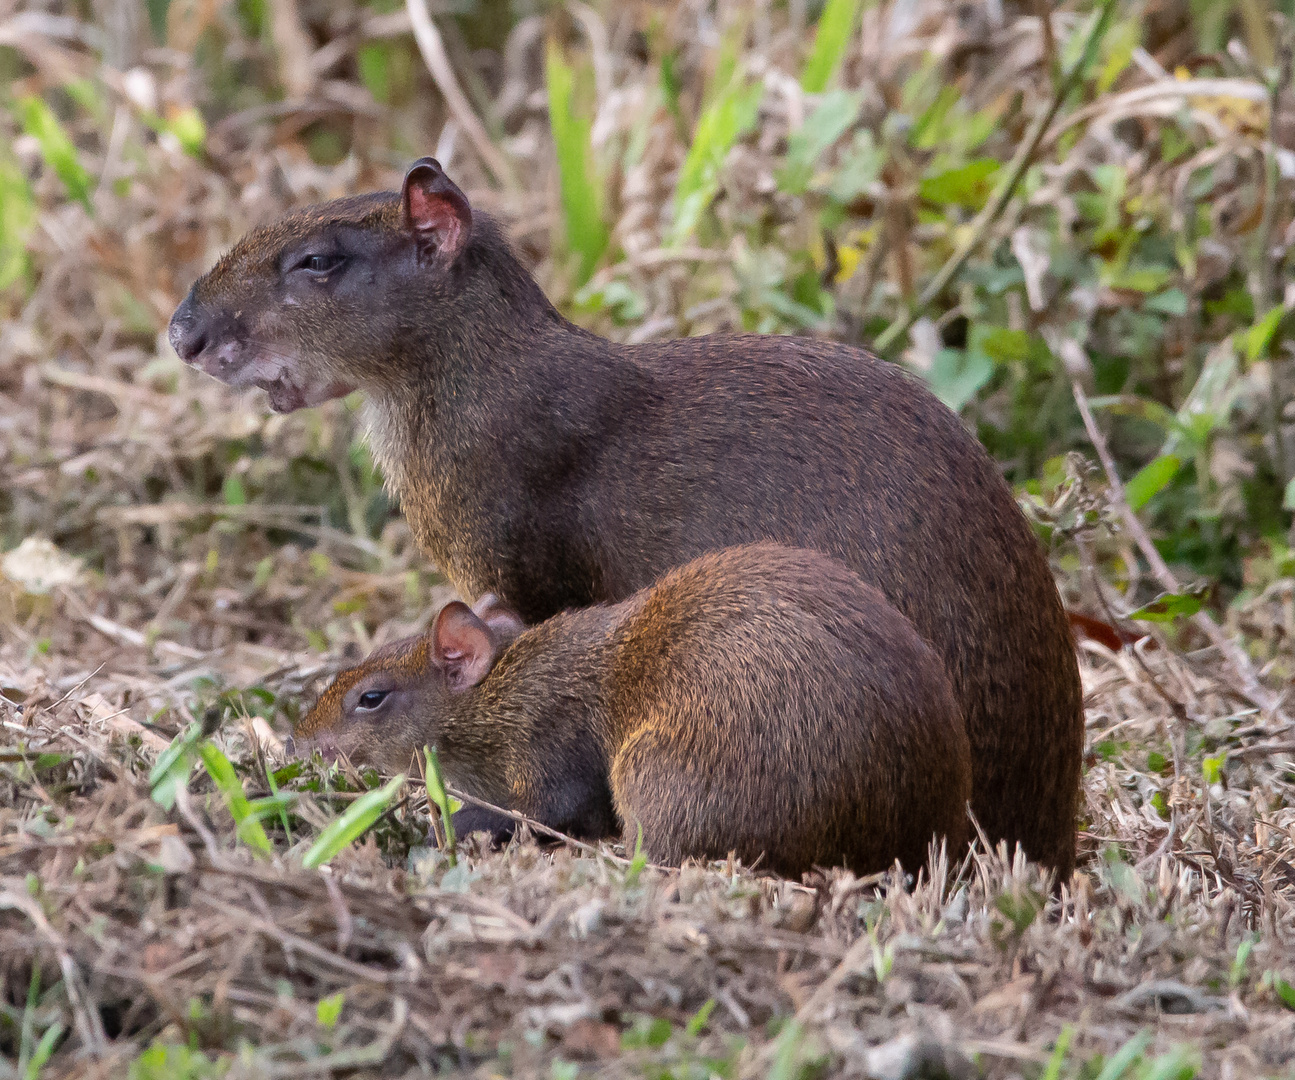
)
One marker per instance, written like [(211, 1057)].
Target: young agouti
[(760, 699), (556, 469)]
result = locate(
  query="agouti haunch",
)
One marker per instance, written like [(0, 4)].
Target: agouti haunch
[(557, 469), (760, 699)]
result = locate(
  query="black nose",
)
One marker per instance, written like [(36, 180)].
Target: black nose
[(189, 331)]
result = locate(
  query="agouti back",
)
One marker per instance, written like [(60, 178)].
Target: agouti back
[(556, 469), (760, 699)]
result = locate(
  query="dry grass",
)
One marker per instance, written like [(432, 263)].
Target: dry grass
[(218, 562)]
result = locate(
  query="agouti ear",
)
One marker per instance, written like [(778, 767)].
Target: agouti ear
[(505, 623), (463, 645), (435, 211)]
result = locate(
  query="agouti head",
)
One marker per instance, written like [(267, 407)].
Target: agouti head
[(317, 304), (383, 711)]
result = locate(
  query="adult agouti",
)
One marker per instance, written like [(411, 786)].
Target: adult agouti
[(760, 699), (556, 469)]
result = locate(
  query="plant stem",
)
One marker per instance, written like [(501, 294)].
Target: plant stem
[(1021, 161), (1248, 686)]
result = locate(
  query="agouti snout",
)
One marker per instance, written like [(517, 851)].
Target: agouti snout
[(761, 700)]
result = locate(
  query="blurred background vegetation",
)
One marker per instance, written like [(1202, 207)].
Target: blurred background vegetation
[(1021, 201)]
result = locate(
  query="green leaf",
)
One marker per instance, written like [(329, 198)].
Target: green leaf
[(157, 11), (1151, 479), (827, 123), (233, 491), (1005, 346), (1238, 970), (698, 1019), (328, 1010), (835, 26), (1119, 45), (56, 146), (859, 169), (732, 110), (1143, 279), (359, 816), (1285, 991), (189, 129), (1257, 339), (1169, 302), (616, 296), (231, 788), (1212, 767), (969, 185), (372, 62), (956, 376), (587, 233), (1170, 606), (275, 805)]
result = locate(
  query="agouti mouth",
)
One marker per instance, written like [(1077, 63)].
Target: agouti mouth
[(284, 397)]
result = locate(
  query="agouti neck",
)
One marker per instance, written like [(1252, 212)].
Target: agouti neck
[(540, 711)]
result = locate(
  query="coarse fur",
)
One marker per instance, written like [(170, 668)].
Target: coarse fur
[(760, 699), (557, 469)]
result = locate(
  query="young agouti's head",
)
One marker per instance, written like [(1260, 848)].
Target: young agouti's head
[(343, 296), (382, 712)]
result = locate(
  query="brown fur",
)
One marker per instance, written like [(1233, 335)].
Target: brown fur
[(760, 699), (557, 469)]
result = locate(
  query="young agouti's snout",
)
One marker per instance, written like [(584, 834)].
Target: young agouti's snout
[(557, 469), (760, 699)]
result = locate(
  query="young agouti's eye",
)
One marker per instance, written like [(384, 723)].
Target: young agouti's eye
[(371, 699), (320, 264)]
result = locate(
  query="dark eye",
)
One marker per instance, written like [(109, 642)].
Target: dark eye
[(321, 264), (371, 699)]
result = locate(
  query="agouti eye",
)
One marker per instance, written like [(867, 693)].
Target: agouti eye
[(371, 699), (321, 264)]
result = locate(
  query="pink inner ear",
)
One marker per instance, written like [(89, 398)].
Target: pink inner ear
[(463, 646), (430, 212)]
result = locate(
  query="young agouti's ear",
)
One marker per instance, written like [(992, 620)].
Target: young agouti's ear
[(502, 620), (463, 645), (435, 211)]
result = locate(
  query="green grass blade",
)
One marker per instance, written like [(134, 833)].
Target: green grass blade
[(174, 765), (348, 828), (441, 799), (231, 788), (835, 26), (1151, 479), (17, 218), (638, 861), (1180, 1063), (44, 1051), (1053, 1070), (1119, 1062), (726, 119), (283, 809), (587, 234), (56, 146)]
